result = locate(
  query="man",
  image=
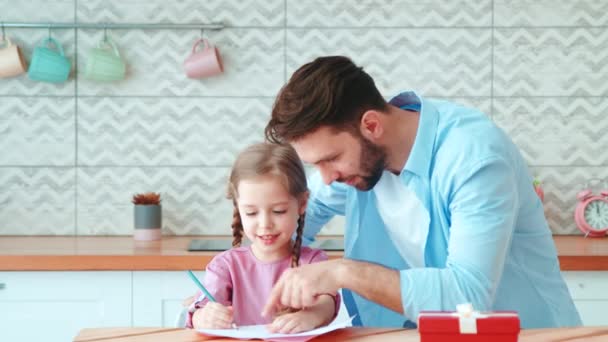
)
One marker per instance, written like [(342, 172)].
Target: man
[(439, 205)]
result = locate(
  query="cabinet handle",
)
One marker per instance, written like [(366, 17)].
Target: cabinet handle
[(2, 286)]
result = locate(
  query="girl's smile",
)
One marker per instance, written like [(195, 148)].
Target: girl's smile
[(268, 239)]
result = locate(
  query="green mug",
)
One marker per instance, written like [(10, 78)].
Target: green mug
[(104, 63), (49, 65)]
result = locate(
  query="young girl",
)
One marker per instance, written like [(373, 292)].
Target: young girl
[(269, 192)]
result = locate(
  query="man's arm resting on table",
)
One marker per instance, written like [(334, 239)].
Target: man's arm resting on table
[(373, 282)]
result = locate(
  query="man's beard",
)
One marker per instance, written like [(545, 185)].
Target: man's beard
[(373, 163)]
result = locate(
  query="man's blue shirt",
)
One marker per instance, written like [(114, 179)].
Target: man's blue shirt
[(488, 241)]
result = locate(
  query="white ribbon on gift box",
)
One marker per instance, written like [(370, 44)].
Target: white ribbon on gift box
[(467, 317)]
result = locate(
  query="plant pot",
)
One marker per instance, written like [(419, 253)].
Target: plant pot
[(147, 222)]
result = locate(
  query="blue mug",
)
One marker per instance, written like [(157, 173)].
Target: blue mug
[(49, 65)]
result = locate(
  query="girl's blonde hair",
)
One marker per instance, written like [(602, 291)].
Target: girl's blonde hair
[(264, 159)]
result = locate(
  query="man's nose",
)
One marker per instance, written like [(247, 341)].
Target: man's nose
[(329, 176)]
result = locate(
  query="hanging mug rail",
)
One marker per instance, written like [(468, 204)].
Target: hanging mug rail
[(118, 26)]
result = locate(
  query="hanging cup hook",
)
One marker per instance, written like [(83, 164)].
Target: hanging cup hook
[(202, 32), (105, 33), (49, 31), (3, 32)]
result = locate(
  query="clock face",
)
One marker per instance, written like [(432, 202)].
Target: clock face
[(596, 214)]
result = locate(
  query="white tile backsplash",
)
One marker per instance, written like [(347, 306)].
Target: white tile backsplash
[(74, 153), (391, 13), (435, 62), (192, 198), (556, 131), (233, 13), (37, 200), (550, 13), (37, 131), (550, 62), (161, 131)]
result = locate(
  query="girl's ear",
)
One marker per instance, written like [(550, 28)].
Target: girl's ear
[(303, 201)]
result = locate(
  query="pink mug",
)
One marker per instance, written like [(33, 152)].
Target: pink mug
[(12, 62), (204, 63)]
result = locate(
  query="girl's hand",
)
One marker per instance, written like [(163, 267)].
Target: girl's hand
[(213, 316), (292, 323)]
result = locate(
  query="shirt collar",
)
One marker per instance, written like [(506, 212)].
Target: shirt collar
[(419, 160)]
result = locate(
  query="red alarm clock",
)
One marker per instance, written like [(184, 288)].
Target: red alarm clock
[(591, 213)]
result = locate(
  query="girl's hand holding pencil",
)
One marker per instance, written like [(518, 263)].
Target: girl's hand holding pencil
[(213, 315)]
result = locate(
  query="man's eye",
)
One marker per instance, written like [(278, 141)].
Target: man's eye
[(330, 160)]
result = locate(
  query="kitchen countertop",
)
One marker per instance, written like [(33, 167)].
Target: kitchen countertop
[(83, 253)]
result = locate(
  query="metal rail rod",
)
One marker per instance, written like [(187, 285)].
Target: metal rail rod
[(112, 26)]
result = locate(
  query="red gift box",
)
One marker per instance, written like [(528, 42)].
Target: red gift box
[(468, 325)]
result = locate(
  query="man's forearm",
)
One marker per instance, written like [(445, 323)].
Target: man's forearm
[(373, 282)]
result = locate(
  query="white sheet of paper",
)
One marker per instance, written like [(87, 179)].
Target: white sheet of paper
[(247, 332)]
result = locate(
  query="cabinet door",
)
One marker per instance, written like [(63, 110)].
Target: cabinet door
[(54, 306), (589, 290), (158, 296)]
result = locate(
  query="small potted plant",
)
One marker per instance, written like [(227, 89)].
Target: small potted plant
[(147, 216)]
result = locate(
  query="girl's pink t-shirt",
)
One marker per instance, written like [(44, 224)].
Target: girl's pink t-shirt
[(236, 277)]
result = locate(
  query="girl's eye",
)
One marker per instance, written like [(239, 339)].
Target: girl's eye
[(250, 214), (279, 211)]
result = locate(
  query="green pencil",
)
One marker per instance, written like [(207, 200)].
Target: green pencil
[(200, 286)]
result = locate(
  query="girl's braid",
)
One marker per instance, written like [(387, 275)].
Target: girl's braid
[(297, 245), (237, 227)]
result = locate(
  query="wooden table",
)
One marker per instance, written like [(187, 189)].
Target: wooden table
[(591, 334)]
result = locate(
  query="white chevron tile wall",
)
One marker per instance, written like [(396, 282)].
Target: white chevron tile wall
[(484, 104), (73, 154), (37, 10), (550, 13), (234, 13), (391, 13), (551, 62), (37, 131), (437, 62), (558, 131), (193, 199), (168, 131), (37, 200)]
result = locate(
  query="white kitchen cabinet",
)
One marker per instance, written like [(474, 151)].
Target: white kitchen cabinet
[(54, 306), (158, 296), (589, 290)]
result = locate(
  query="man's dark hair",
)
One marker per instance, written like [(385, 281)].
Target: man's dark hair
[(329, 91)]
